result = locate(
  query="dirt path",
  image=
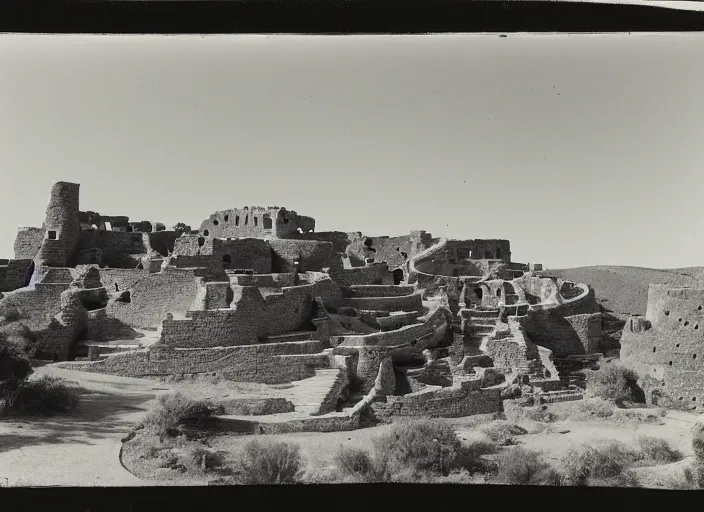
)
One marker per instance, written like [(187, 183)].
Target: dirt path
[(81, 449)]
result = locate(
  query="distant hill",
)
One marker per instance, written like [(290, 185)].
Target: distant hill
[(623, 291)]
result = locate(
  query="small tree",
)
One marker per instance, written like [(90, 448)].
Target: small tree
[(15, 367)]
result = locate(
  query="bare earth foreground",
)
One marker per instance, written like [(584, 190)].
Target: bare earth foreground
[(83, 449), (80, 449)]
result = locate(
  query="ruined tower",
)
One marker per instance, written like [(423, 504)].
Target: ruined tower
[(61, 226)]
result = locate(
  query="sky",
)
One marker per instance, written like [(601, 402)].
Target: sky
[(579, 149)]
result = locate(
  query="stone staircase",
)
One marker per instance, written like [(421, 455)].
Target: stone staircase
[(318, 395), (569, 368), (564, 395), (482, 324)]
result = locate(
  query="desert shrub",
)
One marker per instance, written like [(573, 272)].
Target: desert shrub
[(14, 362), (174, 409), (604, 463), (9, 312), (518, 466), (658, 450), (46, 395), (356, 462), (262, 463), (503, 433), (687, 480), (421, 446), (698, 441), (613, 382)]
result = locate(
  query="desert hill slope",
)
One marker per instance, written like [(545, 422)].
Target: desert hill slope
[(623, 290)]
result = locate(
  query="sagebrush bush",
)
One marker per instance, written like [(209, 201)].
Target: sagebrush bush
[(658, 450), (698, 441), (174, 409), (356, 463), (599, 464), (262, 463), (613, 382), (46, 395), (9, 313), (518, 466), (423, 446)]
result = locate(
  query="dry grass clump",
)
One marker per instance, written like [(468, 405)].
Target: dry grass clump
[(44, 396), (175, 409), (518, 466), (263, 463)]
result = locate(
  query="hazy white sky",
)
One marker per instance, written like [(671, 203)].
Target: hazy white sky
[(581, 150)]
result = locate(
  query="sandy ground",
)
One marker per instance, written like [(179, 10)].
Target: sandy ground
[(80, 449)]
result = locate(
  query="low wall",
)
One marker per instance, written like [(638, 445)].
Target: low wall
[(409, 303), (377, 273), (273, 363), (450, 402), (406, 335)]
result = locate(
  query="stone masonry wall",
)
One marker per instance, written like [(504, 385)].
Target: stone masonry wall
[(252, 317), (36, 306), (670, 364), (244, 253), (548, 327), (253, 363), (311, 255), (155, 295), (451, 402), (16, 274), (28, 242)]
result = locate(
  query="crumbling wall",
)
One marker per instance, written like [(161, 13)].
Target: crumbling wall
[(310, 255), (251, 318), (155, 295), (15, 274), (162, 241), (118, 248), (255, 222), (449, 402), (28, 242), (36, 306), (548, 326)]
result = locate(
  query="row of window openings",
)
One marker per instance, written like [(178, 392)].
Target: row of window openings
[(667, 312), (686, 322), (266, 221), (465, 254)]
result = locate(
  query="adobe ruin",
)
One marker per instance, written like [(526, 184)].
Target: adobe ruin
[(406, 325)]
